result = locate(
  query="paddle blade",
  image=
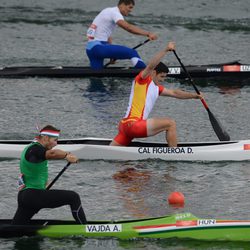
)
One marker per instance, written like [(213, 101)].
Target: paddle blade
[(220, 132), (218, 129)]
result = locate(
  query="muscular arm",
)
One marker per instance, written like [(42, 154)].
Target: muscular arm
[(180, 94), (135, 30), (156, 59), (55, 154), (38, 153), (60, 154)]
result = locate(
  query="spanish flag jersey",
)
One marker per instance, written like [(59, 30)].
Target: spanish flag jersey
[(144, 93)]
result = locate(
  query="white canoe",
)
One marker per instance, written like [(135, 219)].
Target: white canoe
[(99, 149)]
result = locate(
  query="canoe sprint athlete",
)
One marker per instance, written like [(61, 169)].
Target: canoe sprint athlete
[(145, 90), (32, 195), (99, 33)]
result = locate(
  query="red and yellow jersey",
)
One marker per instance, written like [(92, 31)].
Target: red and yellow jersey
[(144, 93)]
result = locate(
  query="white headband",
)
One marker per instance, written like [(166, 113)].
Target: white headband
[(50, 133)]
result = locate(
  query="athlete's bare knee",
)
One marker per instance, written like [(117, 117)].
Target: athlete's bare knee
[(171, 124)]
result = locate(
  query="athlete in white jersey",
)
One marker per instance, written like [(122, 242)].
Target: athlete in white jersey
[(99, 34), (145, 90)]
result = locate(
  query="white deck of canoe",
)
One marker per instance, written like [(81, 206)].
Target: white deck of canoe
[(221, 151)]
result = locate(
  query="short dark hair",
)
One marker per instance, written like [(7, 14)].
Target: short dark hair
[(126, 2), (161, 68), (50, 127)]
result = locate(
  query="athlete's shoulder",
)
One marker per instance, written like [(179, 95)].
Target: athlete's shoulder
[(104, 12), (161, 88), (139, 79), (36, 146), (35, 153), (110, 10), (111, 13)]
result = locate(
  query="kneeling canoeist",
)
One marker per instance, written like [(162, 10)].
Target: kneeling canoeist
[(145, 90), (100, 45), (33, 195)]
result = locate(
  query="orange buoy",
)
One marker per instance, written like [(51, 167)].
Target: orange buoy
[(176, 199)]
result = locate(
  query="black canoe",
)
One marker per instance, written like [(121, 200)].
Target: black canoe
[(230, 70)]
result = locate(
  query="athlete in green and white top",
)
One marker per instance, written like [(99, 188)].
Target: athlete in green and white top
[(34, 173), (33, 195)]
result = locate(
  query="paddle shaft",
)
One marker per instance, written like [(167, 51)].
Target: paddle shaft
[(58, 175), (220, 132), (191, 80), (140, 44), (136, 47)]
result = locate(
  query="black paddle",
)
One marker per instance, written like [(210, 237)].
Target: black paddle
[(137, 46), (218, 129), (58, 175)]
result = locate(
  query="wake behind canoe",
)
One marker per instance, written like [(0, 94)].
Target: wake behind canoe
[(99, 149), (180, 226)]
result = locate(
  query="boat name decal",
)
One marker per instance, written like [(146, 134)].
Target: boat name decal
[(206, 222), (231, 68), (165, 150), (174, 71), (213, 69), (245, 68), (104, 228), (182, 216)]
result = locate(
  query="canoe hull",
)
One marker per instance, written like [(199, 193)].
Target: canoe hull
[(99, 149), (225, 70), (181, 226)]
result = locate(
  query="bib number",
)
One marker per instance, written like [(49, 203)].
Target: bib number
[(21, 184), (91, 31)]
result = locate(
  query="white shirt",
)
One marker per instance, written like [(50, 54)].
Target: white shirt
[(144, 93), (104, 24)]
